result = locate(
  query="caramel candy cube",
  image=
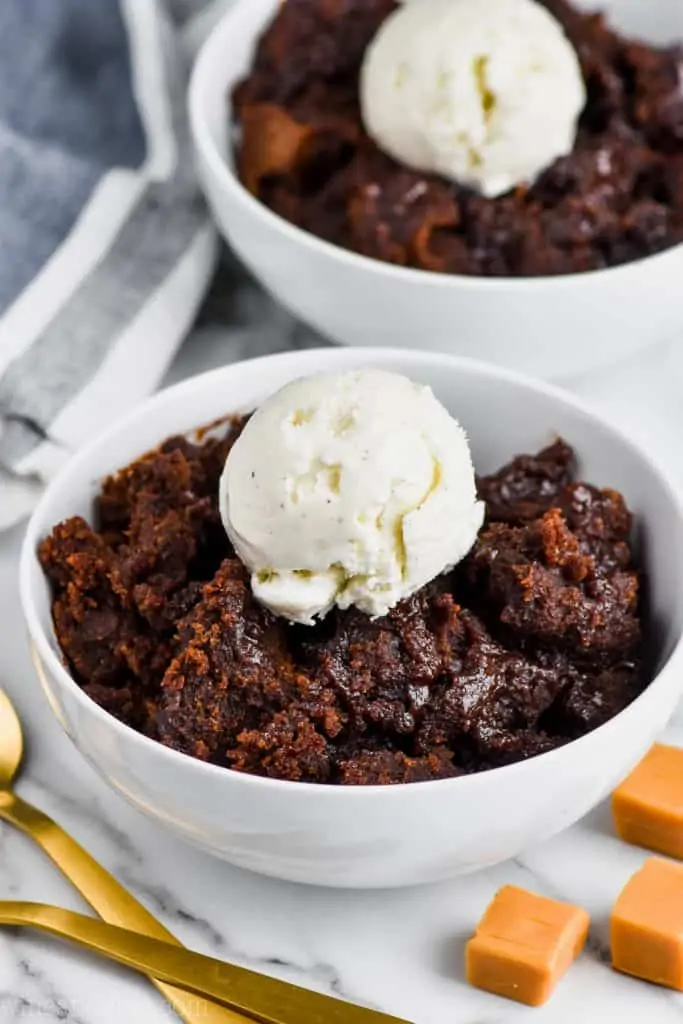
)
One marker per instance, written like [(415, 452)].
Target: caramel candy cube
[(647, 924), (648, 806), (523, 945)]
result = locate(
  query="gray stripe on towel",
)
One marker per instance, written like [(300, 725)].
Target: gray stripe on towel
[(66, 356), (47, 377)]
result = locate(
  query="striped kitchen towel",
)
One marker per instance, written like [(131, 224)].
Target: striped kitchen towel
[(106, 245)]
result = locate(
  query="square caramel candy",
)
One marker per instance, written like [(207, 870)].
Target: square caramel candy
[(523, 945), (648, 806), (647, 924)]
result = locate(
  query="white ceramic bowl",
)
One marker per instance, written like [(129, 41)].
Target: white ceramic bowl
[(551, 327), (374, 836)]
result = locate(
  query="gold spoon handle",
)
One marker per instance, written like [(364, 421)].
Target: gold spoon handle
[(266, 999), (114, 903)]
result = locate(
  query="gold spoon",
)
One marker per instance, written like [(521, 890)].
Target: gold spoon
[(268, 1000), (114, 903)]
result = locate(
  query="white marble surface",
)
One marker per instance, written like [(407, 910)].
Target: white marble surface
[(402, 951)]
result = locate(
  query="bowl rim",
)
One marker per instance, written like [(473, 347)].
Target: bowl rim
[(297, 361), (210, 54)]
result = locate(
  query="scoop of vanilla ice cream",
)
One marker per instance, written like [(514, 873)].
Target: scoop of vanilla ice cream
[(485, 92), (349, 489)]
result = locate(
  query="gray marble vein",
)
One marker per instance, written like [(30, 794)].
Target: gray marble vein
[(35, 995), (162, 902)]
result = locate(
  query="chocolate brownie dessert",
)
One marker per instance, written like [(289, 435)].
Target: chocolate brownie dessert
[(534, 640), (303, 151)]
